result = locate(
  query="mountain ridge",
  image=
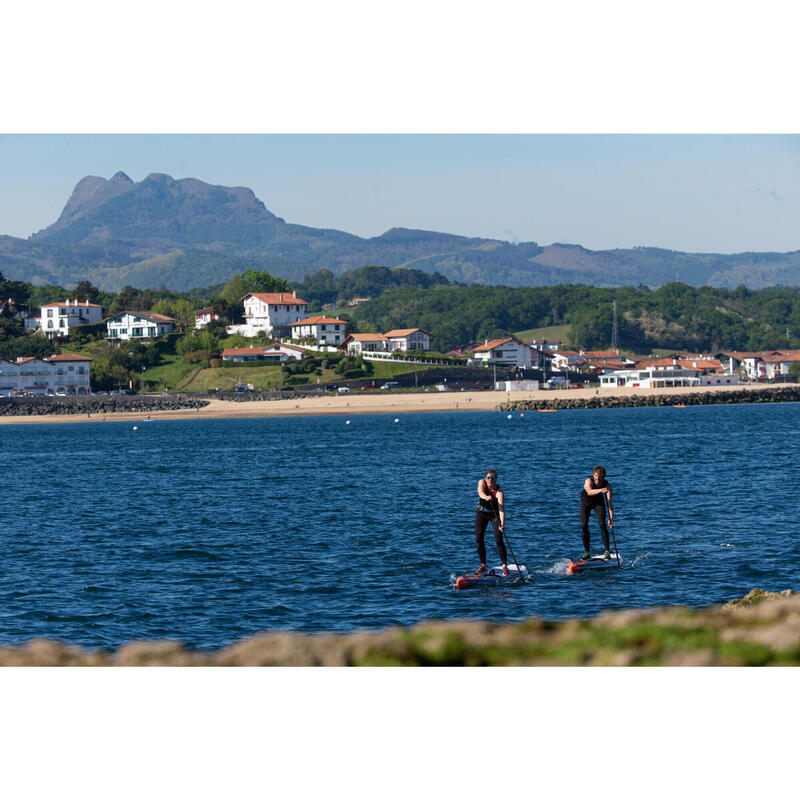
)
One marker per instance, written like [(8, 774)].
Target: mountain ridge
[(114, 231)]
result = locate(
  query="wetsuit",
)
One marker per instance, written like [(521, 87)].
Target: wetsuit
[(489, 510), (590, 502)]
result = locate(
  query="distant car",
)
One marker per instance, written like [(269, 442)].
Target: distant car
[(62, 392), (240, 389), (343, 390), (391, 385)]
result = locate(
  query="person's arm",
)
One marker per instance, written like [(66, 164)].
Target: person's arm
[(587, 486), (610, 506), (501, 509), (483, 490)]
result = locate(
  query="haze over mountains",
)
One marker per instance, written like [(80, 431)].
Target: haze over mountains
[(183, 234)]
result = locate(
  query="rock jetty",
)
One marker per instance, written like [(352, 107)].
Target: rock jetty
[(95, 404), (779, 394), (760, 629)]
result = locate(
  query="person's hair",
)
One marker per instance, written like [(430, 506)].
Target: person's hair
[(490, 472), (601, 471)]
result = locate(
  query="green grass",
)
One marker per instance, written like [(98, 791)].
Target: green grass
[(560, 333), (171, 372)]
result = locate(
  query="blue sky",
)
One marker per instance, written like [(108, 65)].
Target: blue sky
[(700, 193)]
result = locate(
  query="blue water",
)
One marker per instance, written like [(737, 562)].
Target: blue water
[(208, 531)]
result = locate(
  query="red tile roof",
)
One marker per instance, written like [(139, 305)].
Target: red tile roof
[(277, 298), (319, 321)]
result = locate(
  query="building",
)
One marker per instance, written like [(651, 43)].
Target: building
[(58, 318), (271, 353), (566, 360), (270, 313), (545, 344), (503, 351), (408, 339), (324, 330), (138, 325), (777, 364), (65, 374), (357, 301), (357, 343), (203, 316)]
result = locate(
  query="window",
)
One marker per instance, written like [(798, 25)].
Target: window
[(136, 332), (50, 312), (49, 323)]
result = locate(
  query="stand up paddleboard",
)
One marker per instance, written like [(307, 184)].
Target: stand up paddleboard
[(492, 577), (595, 562)]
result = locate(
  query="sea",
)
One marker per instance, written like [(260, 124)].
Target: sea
[(208, 531)]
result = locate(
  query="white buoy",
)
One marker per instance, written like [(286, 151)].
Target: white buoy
[(135, 428), (348, 422), (396, 419), (509, 416)]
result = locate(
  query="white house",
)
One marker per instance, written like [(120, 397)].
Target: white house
[(408, 339), (503, 351), (203, 316), (777, 363), (324, 330), (564, 360), (138, 325), (272, 352), (365, 342), (270, 312), (58, 318), (58, 375)]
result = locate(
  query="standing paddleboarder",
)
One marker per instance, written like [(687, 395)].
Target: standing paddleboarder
[(490, 507), (592, 494)]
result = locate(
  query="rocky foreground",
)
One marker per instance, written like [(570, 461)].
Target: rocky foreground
[(773, 394), (761, 629)]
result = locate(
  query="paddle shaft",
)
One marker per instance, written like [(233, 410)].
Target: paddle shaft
[(508, 544), (613, 538)]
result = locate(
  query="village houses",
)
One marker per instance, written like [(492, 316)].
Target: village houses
[(138, 325), (57, 318), (270, 313), (64, 374), (324, 330), (203, 316)]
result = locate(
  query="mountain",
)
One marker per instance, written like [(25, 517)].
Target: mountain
[(185, 233)]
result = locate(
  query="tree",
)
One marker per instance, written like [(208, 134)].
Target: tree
[(86, 291)]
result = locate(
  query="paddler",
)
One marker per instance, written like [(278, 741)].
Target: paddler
[(594, 490), (490, 507)]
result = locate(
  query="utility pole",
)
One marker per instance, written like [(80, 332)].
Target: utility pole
[(615, 331)]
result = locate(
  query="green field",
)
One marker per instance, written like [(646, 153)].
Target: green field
[(560, 333)]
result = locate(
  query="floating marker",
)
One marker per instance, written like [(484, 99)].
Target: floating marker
[(509, 416), (135, 428), (348, 422), (396, 419), (521, 415)]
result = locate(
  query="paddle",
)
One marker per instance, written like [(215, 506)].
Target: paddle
[(614, 539), (508, 544)]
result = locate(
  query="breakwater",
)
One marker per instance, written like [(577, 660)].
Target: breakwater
[(760, 629), (779, 394), (95, 404)]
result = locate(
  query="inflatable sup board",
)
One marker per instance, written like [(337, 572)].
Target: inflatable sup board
[(595, 562), (492, 577)]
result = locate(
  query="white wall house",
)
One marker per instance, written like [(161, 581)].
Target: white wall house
[(408, 339), (58, 318), (203, 316), (564, 360), (503, 351), (777, 364), (651, 378), (324, 330), (271, 313), (138, 325), (58, 375), (272, 352), (357, 343)]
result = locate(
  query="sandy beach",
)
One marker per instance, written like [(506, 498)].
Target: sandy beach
[(355, 403)]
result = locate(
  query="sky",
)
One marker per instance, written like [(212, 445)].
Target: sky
[(695, 193)]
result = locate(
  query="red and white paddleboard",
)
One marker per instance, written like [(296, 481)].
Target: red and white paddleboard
[(492, 577), (595, 562)]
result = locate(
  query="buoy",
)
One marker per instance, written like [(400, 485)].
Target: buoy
[(348, 422), (135, 428), (521, 415), (396, 419), (509, 416)]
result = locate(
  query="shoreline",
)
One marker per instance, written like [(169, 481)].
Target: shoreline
[(416, 402)]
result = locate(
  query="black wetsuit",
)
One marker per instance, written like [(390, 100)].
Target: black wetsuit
[(489, 510), (594, 502)]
